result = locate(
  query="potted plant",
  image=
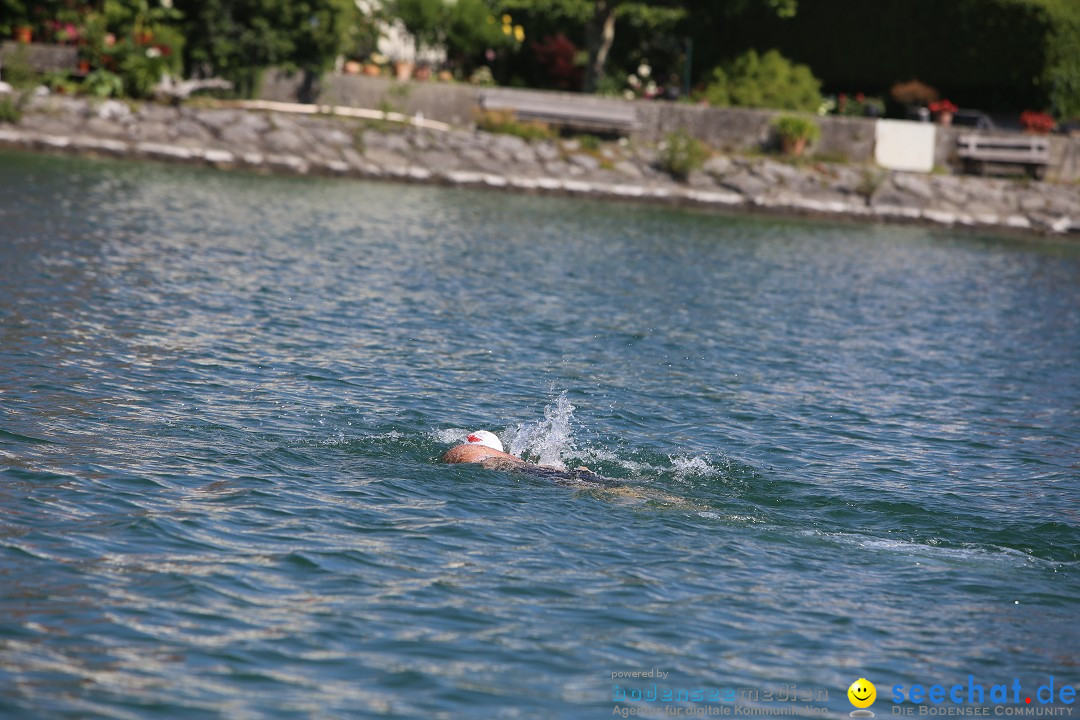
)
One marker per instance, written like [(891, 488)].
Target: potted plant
[(942, 111), (24, 34), (795, 132), (403, 70), (375, 64), (914, 96)]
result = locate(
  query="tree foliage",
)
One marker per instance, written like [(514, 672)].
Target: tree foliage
[(600, 18), (988, 54), (236, 39), (764, 81), (463, 27), (1060, 79)]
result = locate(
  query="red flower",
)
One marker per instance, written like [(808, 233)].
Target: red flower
[(942, 106), (1036, 121)]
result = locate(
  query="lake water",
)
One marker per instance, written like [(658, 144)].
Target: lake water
[(849, 451)]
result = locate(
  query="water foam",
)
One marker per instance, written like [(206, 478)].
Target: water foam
[(930, 549), (450, 436), (693, 466), (548, 440)]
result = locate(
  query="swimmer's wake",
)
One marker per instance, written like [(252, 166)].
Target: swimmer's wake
[(548, 440)]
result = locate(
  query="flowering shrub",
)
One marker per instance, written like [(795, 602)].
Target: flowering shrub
[(63, 32), (640, 84), (1036, 122), (942, 106), (557, 53), (857, 105)]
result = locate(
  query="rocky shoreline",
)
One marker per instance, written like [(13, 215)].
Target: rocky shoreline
[(264, 140)]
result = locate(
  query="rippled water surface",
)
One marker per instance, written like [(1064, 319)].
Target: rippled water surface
[(849, 451)]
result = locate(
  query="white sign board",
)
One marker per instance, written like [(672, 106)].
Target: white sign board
[(905, 145)]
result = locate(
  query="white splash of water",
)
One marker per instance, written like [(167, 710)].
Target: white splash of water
[(698, 466), (450, 436), (548, 440)]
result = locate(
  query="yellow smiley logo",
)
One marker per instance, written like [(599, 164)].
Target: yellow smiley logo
[(862, 693)]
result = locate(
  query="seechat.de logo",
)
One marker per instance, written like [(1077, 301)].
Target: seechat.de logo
[(862, 694)]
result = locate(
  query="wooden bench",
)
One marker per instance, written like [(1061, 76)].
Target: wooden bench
[(41, 57), (583, 113), (1030, 152)]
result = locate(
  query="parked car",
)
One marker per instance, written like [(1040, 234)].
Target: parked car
[(973, 118)]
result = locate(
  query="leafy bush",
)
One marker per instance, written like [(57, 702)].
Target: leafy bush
[(17, 71), (870, 181), (60, 82), (681, 154), (9, 111), (102, 83), (142, 70), (505, 123), (764, 81), (589, 142)]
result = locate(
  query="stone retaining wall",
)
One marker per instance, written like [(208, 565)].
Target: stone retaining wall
[(228, 137), (726, 129)]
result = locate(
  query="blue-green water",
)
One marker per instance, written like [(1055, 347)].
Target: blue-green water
[(852, 451)]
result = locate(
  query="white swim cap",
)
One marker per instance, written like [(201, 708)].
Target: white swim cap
[(485, 438)]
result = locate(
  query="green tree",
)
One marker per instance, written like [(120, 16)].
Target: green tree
[(237, 39), (1061, 73)]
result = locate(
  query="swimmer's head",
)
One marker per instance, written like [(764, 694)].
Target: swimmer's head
[(485, 438)]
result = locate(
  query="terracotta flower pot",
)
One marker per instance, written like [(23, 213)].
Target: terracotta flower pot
[(944, 118), (372, 70), (24, 34), (352, 67), (403, 70), (422, 73), (794, 146)]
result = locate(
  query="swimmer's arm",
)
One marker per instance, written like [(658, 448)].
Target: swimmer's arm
[(501, 462)]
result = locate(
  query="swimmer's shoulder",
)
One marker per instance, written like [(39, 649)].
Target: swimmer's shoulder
[(473, 453)]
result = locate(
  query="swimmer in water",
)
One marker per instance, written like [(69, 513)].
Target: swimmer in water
[(485, 448), (482, 447)]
